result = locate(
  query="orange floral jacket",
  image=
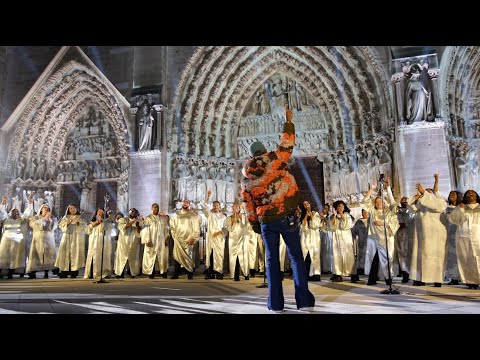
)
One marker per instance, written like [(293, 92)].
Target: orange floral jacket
[(269, 189)]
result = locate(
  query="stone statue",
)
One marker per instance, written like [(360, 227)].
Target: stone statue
[(418, 96), (17, 199), (49, 199), (146, 126), (461, 167)]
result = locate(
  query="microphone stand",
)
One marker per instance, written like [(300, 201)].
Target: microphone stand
[(102, 280), (389, 290)]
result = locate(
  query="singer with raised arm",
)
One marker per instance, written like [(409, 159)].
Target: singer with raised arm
[(99, 247), (383, 224), (42, 250), (271, 195), (71, 252), (128, 246), (429, 236)]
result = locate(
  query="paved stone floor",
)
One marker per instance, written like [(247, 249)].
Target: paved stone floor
[(198, 296)]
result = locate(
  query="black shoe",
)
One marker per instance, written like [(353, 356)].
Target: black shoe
[(454, 282), (371, 283), (418, 283), (46, 274), (316, 278), (247, 277), (174, 276), (261, 273), (236, 279), (354, 278), (32, 275), (437, 284), (406, 277), (120, 276), (151, 276), (219, 276), (190, 276), (337, 278), (252, 273), (22, 275), (164, 275)]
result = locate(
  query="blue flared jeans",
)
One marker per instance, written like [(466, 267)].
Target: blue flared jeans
[(291, 235)]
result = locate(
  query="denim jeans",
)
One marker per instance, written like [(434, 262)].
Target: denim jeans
[(291, 235)]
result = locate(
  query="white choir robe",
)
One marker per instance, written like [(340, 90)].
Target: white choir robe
[(451, 259), (155, 230), (326, 247), (310, 241), (13, 242), (256, 258), (99, 245), (184, 225), (128, 248), (215, 243), (238, 245), (42, 250), (468, 242), (343, 246), (429, 239), (377, 241), (71, 252)]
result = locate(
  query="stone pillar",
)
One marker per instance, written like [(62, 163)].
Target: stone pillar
[(58, 195), (145, 183), (422, 150), (88, 196), (433, 74), (133, 118), (397, 80), (161, 144)]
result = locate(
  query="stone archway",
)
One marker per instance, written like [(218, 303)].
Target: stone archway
[(348, 86), (74, 123), (460, 95)]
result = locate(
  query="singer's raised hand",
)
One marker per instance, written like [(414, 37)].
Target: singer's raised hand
[(288, 114)]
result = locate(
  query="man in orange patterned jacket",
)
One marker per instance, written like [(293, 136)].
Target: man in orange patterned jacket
[(271, 196)]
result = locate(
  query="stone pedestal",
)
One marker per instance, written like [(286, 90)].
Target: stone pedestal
[(144, 187), (422, 150)]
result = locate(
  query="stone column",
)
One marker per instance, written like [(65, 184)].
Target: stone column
[(434, 77), (397, 80), (133, 120), (161, 144), (58, 195)]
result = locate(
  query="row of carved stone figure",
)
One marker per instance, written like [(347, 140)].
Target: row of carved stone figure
[(92, 169), (467, 168), (276, 93), (352, 172), (192, 178), (19, 198), (105, 146), (272, 124)]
